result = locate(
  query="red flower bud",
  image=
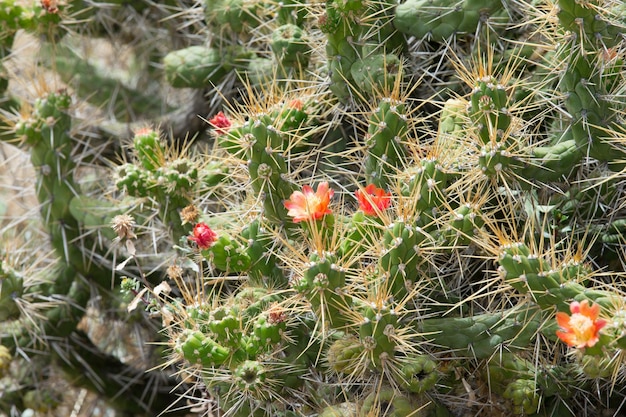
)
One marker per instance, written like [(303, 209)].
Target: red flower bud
[(203, 236), (220, 122)]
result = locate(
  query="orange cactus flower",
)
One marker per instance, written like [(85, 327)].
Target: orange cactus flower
[(372, 200), (309, 205), (582, 328), (203, 236)]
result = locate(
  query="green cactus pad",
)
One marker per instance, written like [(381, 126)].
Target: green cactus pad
[(199, 66), (386, 402), (418, 374), (199, 349), (227, 254), (323, 285), (377, 335), (440, 19), (290, 45)]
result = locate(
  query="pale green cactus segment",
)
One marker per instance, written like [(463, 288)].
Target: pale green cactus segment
[(226, 325), (586, 98), (262, 70), (179, 175), (269, 328), (55, 194), (376, 73), (149, 149), (466, 220), (250, 376), (5, 360), (401, 260), (263, 267), (550, 163), (344, 355), (441, 19), (590, 110), (338, 67), (386, 133), (134, 180), (198, 349), (523, 395), (294, 116), (259, 383), (46, 128), (199, 66), (426, 185), (598, 366), (517, 259), (213, 173), (495, 159), (481, 335), (377, 333), (340, 20), (232, 15), (342, 31), (523, 382), (614, 232), (507, 367), (364, 233), (267, 166), (252, 301), (228, 254), (269, 183), (290, 45), (41, 400), (361, 48), (490, 110), (549, 286), (452, 130), (197, 317), (388, 402), (323, 284), (418, 374), (51, 146)]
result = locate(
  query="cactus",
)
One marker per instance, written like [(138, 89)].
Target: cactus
[(339, 208), (441, 20)]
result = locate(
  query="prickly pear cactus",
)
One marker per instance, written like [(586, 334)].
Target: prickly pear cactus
[(339, 208)]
